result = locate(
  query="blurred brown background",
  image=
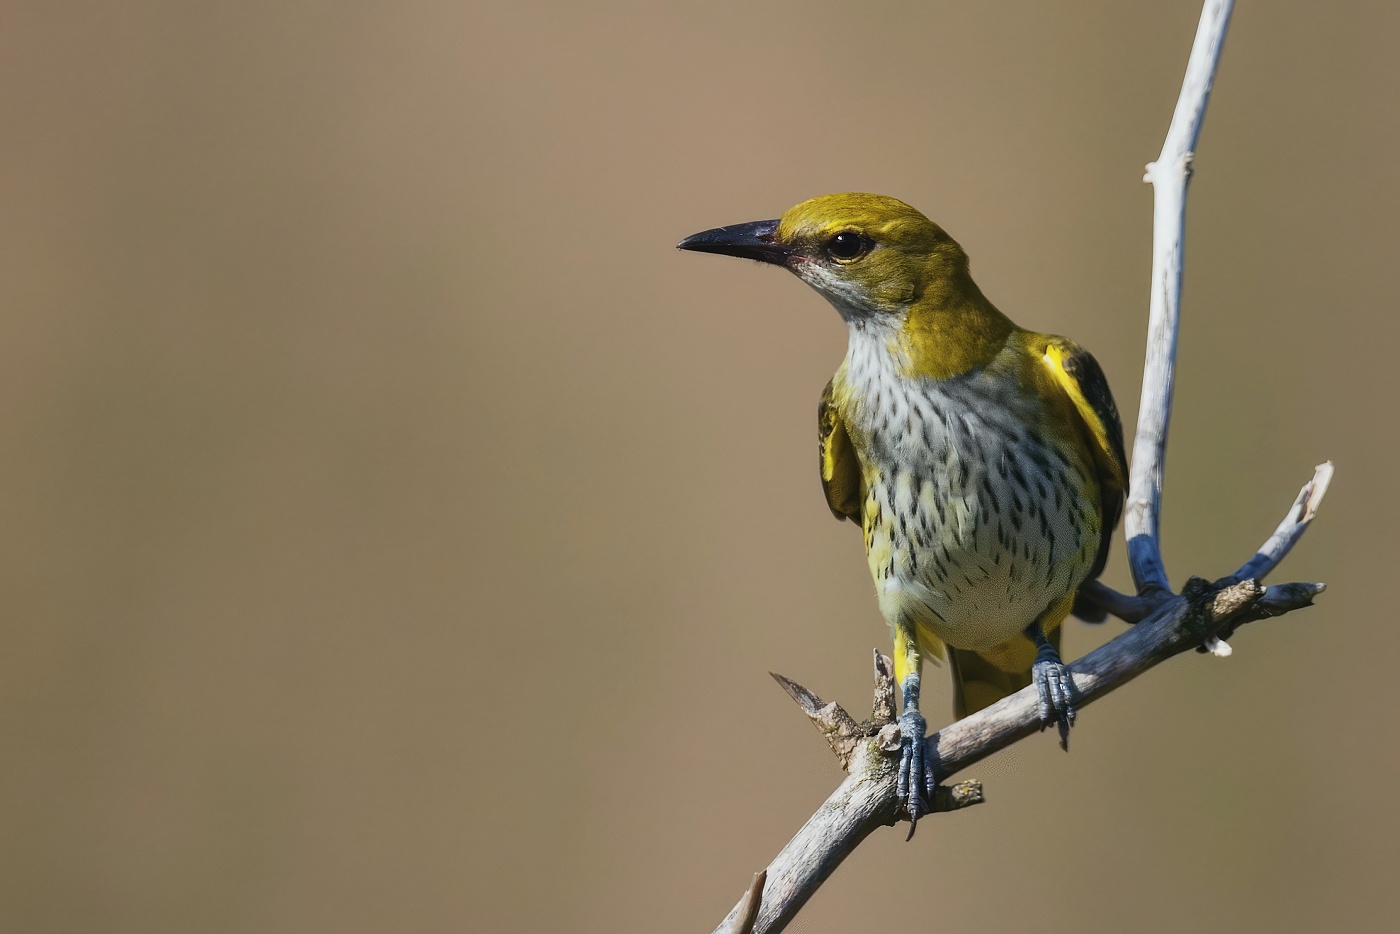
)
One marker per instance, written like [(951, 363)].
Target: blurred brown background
[(397, 530)]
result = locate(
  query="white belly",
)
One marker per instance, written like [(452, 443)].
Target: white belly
[(974, 524)]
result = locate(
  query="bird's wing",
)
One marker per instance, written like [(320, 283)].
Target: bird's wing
[(840, 468), (1079, 375)]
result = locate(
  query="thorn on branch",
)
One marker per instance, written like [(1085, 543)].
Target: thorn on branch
[(882, 709), (1280, 598), (840, 728), (961, 795), (748, 906)]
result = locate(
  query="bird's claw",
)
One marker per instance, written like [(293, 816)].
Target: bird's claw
[(1055, 686), (917, 780)]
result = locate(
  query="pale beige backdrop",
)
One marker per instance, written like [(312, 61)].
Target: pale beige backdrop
[(396, 532)]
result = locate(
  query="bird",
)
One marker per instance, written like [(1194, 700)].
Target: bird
[(983, 462)]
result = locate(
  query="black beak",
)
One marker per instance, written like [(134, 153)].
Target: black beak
[(756, 240)]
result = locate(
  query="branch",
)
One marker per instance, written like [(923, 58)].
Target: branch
[(1169, 176), (869, 752), (1131, 609), (866, 799)]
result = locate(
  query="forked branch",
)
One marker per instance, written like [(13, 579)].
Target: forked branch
[(869, 751)]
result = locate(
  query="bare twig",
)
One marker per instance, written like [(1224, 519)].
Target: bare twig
[(1290, 529), (1128, 608), (1131, 608), (1169, 176), (1203, 615)]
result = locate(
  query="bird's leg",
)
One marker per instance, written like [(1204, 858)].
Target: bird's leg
[(916, 773), (1054, 683)]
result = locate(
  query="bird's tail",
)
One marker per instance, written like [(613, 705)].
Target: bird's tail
[(980, 681)]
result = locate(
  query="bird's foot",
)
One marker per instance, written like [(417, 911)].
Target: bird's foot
[(917, 779), (1056, 688)]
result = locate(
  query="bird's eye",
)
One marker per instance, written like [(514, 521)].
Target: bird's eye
[(848, 245)]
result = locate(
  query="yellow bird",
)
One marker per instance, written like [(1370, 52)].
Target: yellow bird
[(984, 462)]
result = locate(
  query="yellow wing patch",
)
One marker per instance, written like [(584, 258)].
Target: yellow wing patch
[(841, 480), (1078, 374)]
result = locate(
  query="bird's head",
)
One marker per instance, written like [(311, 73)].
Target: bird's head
[(870, 255)]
